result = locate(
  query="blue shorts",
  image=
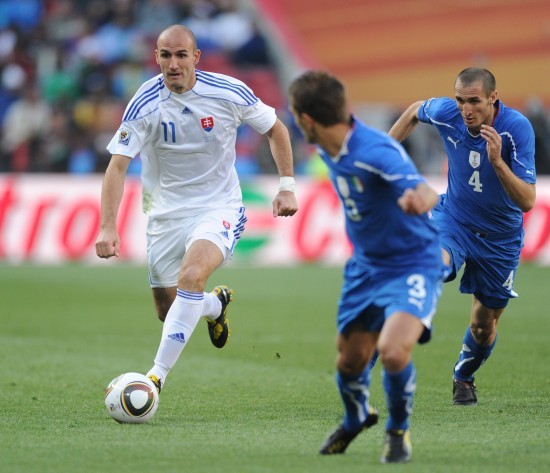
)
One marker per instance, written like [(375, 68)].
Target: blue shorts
[(490, 262), (369, 296)]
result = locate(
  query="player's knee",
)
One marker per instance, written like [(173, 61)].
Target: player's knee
[(482, 332), (192, 276), (394, 357), (350, 366)]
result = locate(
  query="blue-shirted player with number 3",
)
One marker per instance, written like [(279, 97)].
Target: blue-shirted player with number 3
[(491, 182), (393, 279)]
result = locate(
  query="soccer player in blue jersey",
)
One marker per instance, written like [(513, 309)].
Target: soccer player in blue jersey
[(183, 124), (393, 279), (491, 182)]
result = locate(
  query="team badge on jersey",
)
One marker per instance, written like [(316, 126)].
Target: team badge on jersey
[(358, 184), (343, 186), (475, 159), (207, 123), (226, 225), (124, 137)]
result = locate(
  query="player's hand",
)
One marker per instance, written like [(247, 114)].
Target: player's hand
[(418, 200), (107, 243), (410, 202), (494, 143), (285, 204)]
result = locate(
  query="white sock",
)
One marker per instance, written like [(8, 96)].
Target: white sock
[(212, 307), (181, 320)]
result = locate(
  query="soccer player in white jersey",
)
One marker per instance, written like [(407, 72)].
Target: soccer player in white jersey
[(491, 182), (392, 280), (183, 124)]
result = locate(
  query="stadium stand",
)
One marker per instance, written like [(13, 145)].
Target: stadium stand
[(64, 83), (399, 51), (392, 53), (68, 68)]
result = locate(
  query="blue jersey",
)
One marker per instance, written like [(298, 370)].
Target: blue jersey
[(475, 195), (371, 172)]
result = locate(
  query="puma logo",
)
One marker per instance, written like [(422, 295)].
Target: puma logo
[(452, 141)]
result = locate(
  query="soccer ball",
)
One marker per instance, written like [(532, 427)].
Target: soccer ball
[(131, 398)]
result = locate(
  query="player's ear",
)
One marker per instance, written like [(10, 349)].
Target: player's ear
[(157, 56), (197, 57), (306, 118)]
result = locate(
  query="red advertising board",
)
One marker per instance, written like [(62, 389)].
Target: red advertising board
[(53, 219)]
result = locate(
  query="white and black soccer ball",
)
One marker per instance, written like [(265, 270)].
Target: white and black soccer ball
[(131, 398)]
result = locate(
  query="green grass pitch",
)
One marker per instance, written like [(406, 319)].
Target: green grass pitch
[(266, 401)]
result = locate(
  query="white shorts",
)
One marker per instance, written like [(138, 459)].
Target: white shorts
[(169, 238)]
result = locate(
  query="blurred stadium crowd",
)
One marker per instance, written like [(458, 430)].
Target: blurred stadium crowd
[(69, 67)]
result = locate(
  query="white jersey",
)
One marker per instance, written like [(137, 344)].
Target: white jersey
[(186, 142)]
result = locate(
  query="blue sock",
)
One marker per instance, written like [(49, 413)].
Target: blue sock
[(399, 388), (471, 357), (355, 395), (373, 360)]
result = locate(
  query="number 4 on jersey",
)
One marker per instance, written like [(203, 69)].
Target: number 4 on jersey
[(475, 182)]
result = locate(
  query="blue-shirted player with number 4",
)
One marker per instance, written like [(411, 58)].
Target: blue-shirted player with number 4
[(491, 182), (393, 279)]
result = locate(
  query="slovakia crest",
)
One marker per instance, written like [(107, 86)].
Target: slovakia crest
[(207, 123), (226, 225), (475, 159)]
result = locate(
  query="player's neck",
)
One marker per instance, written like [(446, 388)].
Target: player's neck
[(333, 138), (496, 109)]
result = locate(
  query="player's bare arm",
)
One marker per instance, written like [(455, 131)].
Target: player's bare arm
[(108, 241), (279, 143), (521, 192), (406, 123), (418, 200), (285, 203)]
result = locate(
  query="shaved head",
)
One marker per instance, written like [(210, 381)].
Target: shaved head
[(471, 75), (176, 32)]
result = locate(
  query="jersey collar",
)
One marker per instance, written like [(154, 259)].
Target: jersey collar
[(344, 150)]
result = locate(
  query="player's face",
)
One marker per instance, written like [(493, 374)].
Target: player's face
[(177, 56), (305, 124), (475, 105)]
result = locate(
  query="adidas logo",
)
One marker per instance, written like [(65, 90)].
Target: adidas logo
[(178, 337), (225, 234), (186, 111)]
